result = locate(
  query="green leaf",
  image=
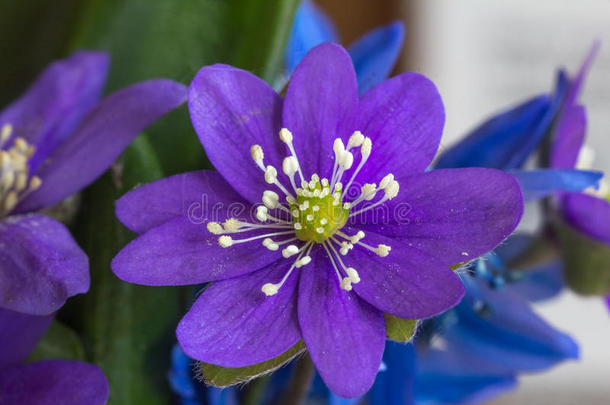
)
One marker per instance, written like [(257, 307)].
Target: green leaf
[(224, 376), (59, 342), (174, 39), (399, 329), (129, 329), (586, 261)]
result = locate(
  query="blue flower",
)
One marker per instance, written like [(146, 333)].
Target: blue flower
[(373, 55)]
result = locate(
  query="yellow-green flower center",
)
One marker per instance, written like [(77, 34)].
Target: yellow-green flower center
[(317, 214)]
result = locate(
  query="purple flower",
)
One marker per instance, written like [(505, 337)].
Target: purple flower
[(55, 140), (44, 382), (362, 229), (587, 212)]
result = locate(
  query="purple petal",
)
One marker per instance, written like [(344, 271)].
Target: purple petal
[(407, 283), (375, 54), (19, 334), (404, 117), (183, 252), (52, 382), (40, 265), (57, 101), (196, 195), (344, 335), (231, 110), (101, 138), (569, 137), (588, 214), (234, 324), (320, 103), (578, 81), (454, 215)]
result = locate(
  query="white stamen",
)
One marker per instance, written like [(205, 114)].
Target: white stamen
[(214, 227), (270, 174), (225, 241), (355, 139), (383, 250), (270, 244), (271, 199), (232, 225), (262, 213), (257, 154), (290, 250), (386, 181), (353, 275), (285, 135), (320, 230)]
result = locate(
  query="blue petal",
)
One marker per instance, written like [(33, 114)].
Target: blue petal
[(179, 376), (541, 183), (453, 377), (375, 54), (395, 385), (311, 27), (506, 140), (539, 284), (508, 332), (224, 396)]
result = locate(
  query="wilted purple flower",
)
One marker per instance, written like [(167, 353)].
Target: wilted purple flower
[(47, 382), (55, 140), (331, 262), (587, 212)]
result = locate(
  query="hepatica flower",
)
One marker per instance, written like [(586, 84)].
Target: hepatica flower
[(46, 382), (54, 140), (350, 226)]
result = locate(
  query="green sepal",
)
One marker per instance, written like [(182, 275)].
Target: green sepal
[(59, 342), (399, 329), (586, 261), (225, 376)]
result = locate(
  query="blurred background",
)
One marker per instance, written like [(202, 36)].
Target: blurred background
[(486, 56)]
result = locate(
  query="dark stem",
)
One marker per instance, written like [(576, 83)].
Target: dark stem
[(299, 383)]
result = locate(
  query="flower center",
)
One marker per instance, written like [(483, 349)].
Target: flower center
[(316, 212), (15, 180)]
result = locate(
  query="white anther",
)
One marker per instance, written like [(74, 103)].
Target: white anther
[(35, 183), (367, 146), (347, 160), (323, 221), (386, 181), (347, 206), (353, 275), (383, 250), (270, 244), (304, 184), (338, 147), (303, 261), (298, 226), (357, 237), (270, 289), (6, 132), (295, 213), (315, 208), (290, 250), (338, 187), (320, 230), (346, 284), (345, 248), (262, 213), (270, 199), (270, 174), (21, 181), (225, 241), (285, 135), (231, 224), (290, 166), (10, 201), (257, 153), (214, 227), (368, 191), (290, 199), (324, 182), (309, 218), (391, 190), (355, 140)]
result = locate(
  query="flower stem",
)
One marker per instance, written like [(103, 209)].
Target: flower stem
[(299, 383)]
